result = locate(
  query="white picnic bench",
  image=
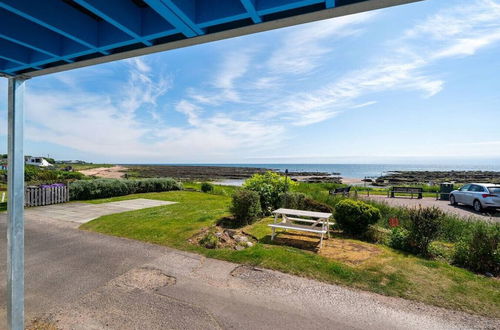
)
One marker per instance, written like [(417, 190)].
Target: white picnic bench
[(317, 222)]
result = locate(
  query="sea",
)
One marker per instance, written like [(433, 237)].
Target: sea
[(361, 171)]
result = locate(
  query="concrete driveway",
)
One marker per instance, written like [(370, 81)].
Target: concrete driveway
[(83, 280)]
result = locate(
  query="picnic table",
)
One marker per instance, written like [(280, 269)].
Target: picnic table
[(316, 222)]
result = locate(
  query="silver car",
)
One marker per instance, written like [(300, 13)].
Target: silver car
[(478, 195)]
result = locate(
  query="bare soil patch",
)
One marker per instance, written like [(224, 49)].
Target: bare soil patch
[(339, 249)]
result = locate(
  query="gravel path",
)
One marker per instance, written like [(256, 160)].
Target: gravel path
[(460, 210)]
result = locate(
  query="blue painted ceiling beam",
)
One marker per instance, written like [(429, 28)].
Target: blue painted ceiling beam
[(15, 53), (250, 8), (124, 15), (330, 3), (168, 14), (36, 35), (273, 6), (59, 17), (33, 36)]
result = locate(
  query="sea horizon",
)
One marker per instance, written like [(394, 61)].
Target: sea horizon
[(344, 170)]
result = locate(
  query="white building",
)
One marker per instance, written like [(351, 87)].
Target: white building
[(37, 161)]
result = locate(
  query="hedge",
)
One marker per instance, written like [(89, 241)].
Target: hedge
[(104, 188)]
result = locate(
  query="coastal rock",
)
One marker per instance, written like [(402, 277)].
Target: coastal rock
[(436, 177)]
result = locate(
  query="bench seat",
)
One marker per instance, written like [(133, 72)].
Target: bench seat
[(298, 227)]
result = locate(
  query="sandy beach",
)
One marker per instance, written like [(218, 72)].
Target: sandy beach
[(353, 181), (115, 172)]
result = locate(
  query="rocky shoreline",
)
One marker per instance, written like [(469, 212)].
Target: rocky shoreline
[(209, 173), (436, 177)]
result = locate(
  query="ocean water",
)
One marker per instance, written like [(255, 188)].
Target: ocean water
[(363, 170)]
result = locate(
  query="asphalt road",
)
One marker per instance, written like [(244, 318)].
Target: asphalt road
[(83, 280), (461, 210)]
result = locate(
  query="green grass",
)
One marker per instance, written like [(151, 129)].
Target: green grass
[(390, 273), (81, 167)]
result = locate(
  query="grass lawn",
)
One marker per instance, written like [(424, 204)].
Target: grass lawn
[(389, 272)]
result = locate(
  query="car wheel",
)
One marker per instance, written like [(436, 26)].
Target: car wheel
[(453, 201), (477, 206)]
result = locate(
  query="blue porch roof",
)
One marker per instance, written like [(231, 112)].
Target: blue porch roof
[(40, 37)]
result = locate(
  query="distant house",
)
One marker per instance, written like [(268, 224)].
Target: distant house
[(71, 162), (37, 161)]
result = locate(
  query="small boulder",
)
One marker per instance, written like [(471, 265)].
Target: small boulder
[(231, 233), (249, 244), (240, 238), (239, 247)]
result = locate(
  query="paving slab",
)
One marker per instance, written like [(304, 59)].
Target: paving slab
[(80, 213)]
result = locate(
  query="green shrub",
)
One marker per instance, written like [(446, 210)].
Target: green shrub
[(293, 200), (354, 216), (71, 175), (480, 251), (104, 188), (313, 205), (269, 186), (245, 206), (210, 241), (441, 250), (399, 239), (425, 225), (377, 234), (207, 187)]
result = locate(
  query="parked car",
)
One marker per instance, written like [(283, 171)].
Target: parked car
[(478, 195)]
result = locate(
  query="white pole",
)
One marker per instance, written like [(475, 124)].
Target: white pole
[(15, 206)]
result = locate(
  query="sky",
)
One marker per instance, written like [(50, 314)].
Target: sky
[(418, 83)]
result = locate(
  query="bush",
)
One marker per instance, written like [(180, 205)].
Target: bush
[(377, 234), (441, 250), (245, 206), (207, 187), (293, 200), (480, 251), (104, 188), (425, 225), (354, 216), (269, 186), (399, 239)]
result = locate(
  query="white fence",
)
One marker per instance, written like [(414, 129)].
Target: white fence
[(46, 194)]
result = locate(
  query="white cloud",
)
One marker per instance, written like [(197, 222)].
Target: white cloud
[(456, 31), (190, 110), (302, 50), (109, 126)]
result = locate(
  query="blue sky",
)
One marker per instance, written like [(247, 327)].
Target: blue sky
[(411, 84)]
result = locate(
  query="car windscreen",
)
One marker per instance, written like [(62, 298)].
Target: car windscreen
[(494, 190)]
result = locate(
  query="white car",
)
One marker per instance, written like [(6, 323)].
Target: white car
[(478, 195)]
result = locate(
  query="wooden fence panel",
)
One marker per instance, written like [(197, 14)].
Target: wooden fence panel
[(46, 195)]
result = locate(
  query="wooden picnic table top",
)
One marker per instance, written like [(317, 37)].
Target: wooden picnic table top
[(302, 213)]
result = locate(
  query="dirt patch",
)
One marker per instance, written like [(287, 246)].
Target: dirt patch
[(115, 172), (41, 325), (333, 248), (144, 279), (217, 237)]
